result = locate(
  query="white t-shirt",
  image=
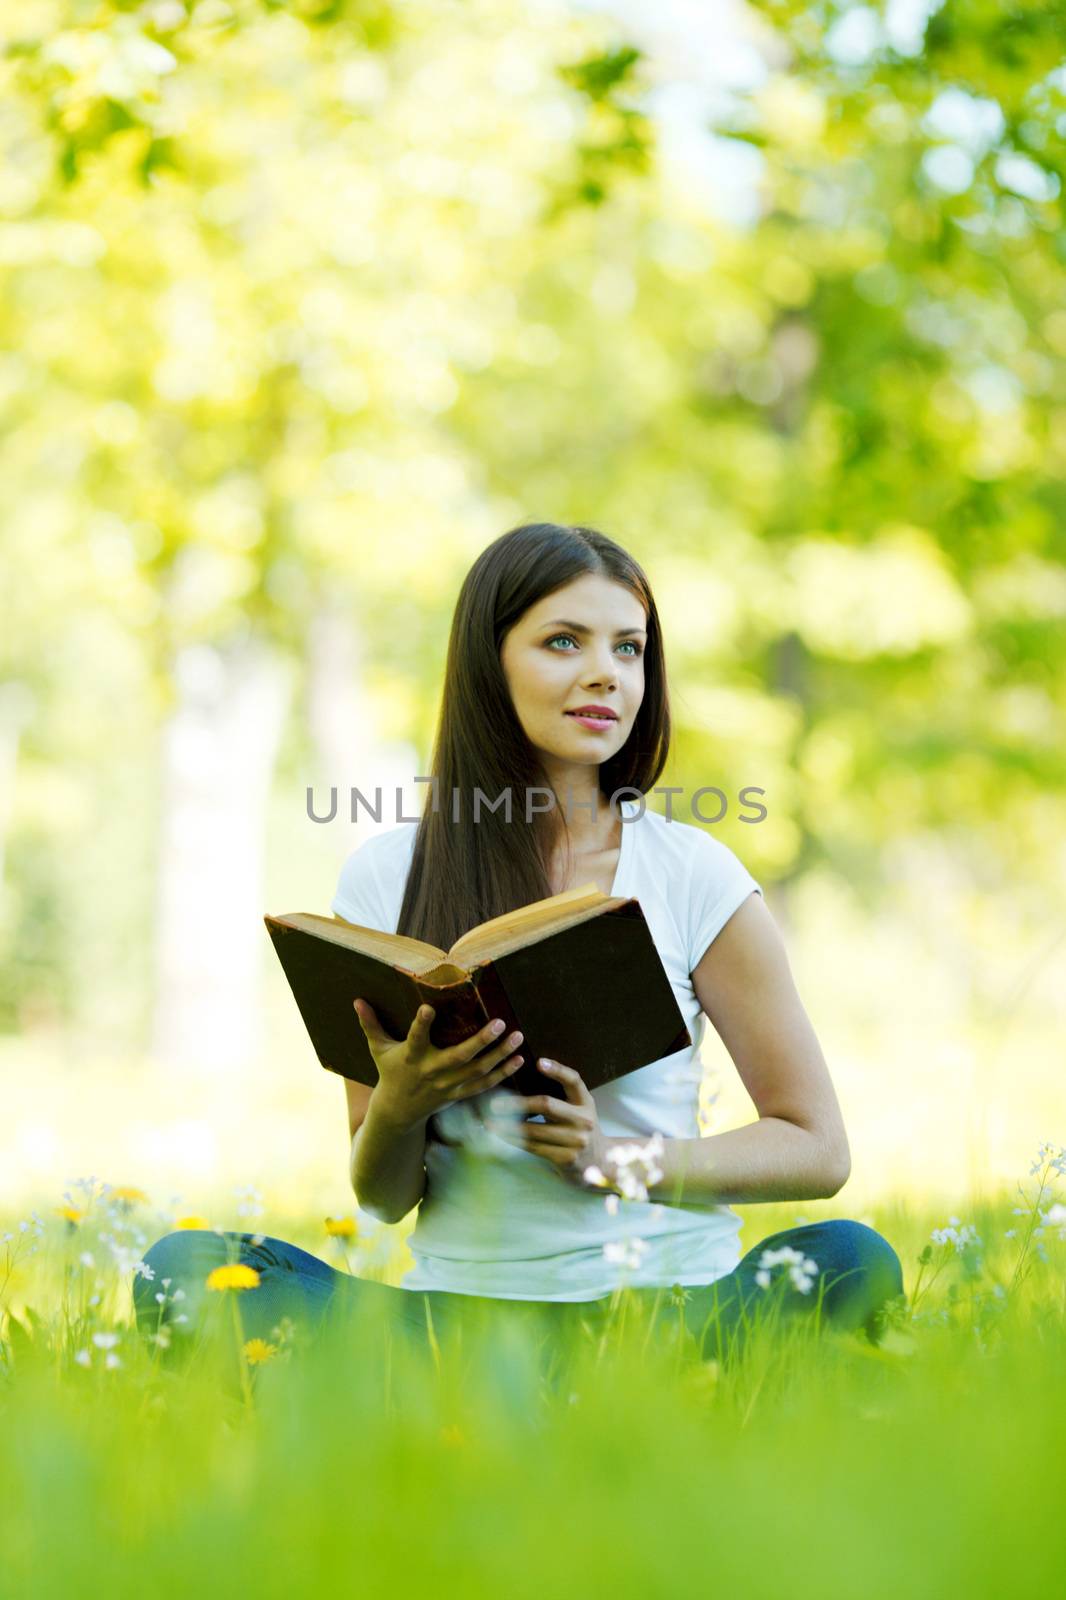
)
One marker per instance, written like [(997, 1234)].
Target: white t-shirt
[(500, 1221)]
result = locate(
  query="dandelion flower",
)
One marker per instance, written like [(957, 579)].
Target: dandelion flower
[(72, 1214), (342, 1227), (234, 1275), (257, 1350), (129, 1195), (192, 1222)]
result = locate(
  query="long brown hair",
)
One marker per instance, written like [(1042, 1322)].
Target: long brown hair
[(464, 872)]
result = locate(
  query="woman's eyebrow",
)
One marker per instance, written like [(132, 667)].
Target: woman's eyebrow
[(579, 627)]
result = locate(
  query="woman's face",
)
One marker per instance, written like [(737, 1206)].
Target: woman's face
[(581, 645)]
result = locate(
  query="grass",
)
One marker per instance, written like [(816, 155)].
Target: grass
[(817, 1465)]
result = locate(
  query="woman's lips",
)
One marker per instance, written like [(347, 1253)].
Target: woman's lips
[(598, 723)]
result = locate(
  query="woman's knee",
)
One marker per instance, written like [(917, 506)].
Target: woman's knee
[(181, 1257), (870, 1251)]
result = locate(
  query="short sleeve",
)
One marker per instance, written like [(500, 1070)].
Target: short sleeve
[(719, 883), (359, 897)]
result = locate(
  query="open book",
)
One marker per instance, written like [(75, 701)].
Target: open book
[(577, 973)]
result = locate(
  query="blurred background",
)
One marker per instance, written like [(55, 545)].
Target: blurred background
[(302, 304)]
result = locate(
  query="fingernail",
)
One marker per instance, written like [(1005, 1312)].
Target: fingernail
[(544, 1062)]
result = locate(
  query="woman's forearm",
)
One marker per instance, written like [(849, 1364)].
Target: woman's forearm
[(388, 1169), (766, 1160)]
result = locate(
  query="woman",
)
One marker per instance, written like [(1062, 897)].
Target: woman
[(518, 1195)]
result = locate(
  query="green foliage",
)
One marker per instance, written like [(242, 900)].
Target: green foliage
[(614, 1459)]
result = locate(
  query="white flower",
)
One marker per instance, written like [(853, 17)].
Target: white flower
[(86, 1259), (800, 1268), (959, 1236), (610, 1204), (84, 1358), (625, 1252), (594, 1175), (105, 1341), (637, 1165), (112, 1360)]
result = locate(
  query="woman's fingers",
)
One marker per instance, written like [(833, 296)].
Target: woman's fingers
[(531, 1134), (577, 1092), (490, 1034), (418, 1033), (548, 1105), (475, 1086), (370, 1024)]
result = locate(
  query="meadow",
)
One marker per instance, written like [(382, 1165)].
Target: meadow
[(815, 1463)]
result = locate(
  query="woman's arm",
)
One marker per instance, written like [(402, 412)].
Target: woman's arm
[(388, 1170), (798, 1149)]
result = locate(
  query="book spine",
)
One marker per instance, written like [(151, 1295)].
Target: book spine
[(493, 997), (459, 1011)]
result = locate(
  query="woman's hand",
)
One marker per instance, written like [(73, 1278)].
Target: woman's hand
[(571, 1139), (415, 1078)]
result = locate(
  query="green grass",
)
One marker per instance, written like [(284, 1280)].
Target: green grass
[(817, 1465)]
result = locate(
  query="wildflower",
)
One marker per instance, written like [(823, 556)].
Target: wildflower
[(192, 1222), (342, 1227), (250, 1201), (637, 1166), (625, 1252), (72, 1214), (87, 1259), (594, 1176), (960, 1236), (112, 1360), (105, 1341), (1052, 1156), (257, 1350), (1056, 1216), (234, 1275), (161, 1337), (800, 1267), (130, 1196), (84, 1358)]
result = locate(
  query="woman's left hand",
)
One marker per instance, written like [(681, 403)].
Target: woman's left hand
[(571, 1138)]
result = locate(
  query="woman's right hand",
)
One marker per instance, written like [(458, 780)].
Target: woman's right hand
[(416, 1079)]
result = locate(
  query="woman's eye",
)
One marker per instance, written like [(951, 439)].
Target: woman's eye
[(636, 648)]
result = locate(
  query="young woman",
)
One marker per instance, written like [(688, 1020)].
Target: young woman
[(552, 622)]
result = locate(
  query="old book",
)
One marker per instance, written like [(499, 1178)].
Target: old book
[(577, 973)]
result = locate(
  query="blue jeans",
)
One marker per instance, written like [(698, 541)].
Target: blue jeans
[(858, 1271)]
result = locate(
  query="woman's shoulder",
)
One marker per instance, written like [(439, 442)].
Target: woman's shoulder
[(686, 853), (372, 871)]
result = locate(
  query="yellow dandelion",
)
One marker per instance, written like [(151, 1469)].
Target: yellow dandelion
[(130, 1195), (256, 1350), (342, 1227), (235, 1275), (192, 1222), (72, 1214)]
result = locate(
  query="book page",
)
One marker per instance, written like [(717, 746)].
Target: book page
[(530, 924)]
